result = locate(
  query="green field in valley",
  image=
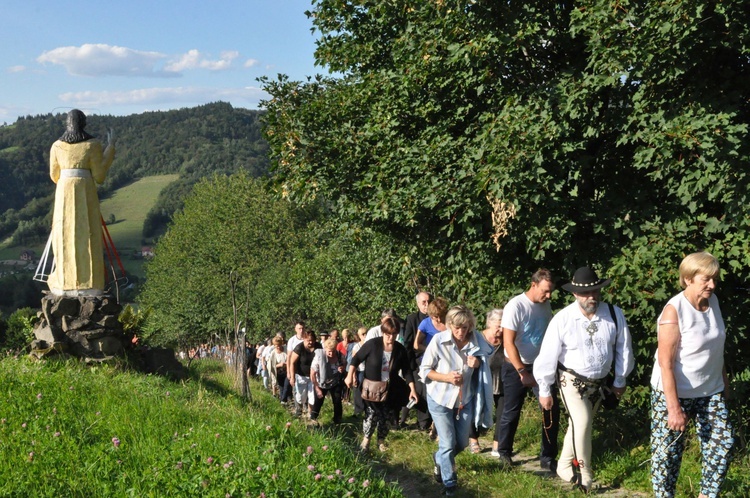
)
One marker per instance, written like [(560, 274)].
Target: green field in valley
[(130, 205)]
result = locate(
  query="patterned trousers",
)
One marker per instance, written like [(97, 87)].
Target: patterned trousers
[(376, 416), (714, 431)]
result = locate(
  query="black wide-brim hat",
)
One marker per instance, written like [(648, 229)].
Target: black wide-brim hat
[(585, 279)]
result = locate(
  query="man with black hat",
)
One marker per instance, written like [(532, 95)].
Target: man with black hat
[(525, 319), (582, 343)]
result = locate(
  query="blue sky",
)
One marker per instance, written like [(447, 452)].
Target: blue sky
[(131, 56)]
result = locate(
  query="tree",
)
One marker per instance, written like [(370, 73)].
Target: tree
[(19, 329), (496, 137), (228, 224)]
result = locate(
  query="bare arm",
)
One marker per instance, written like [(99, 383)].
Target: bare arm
[(511, 351), (292, 360), (419, 342), (668, 343)]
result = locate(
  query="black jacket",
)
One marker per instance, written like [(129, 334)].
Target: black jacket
[(371, 353)]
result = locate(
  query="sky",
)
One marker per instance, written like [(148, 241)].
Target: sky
[(132, 56)]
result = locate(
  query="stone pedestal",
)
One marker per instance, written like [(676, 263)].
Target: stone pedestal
[(85, 326)]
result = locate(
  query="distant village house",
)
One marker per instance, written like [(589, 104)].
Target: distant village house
[(28, 255)]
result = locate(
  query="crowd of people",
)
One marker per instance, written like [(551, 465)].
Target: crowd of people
[(460, 381)]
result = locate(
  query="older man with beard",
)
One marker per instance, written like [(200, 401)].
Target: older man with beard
[(582, 343)]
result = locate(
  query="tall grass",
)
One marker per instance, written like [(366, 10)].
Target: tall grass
[(72, 430)]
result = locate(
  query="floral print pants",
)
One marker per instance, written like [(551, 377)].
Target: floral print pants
[(376, 416), (714, 431)]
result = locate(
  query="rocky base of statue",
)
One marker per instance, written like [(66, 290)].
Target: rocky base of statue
[(85, 327)]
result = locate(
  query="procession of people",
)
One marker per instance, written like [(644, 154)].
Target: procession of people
[(463, 383)]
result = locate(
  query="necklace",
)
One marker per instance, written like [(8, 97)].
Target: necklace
[(592, 328)]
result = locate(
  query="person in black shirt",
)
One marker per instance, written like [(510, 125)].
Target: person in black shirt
[(300, 361)]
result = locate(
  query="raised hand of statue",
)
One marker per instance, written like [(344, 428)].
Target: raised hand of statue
[(110, 137)]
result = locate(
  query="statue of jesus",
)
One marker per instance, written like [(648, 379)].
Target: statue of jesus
[(76, 162)]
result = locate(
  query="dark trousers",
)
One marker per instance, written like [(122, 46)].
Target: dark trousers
[(359, 404), (424, 419), (283, 384), (499, 402), (335, 393), (505, 430), (286, 390)]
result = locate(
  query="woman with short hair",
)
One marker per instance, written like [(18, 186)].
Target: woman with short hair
[(383, 358), (690, 382), (454, 394), (326, 374)]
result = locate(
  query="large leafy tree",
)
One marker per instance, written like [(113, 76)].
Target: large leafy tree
[(489, 138), (229, 224)]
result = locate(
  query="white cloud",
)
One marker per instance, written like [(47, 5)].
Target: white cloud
[(195, 60), (104, 60), (251, 62), (16, 69), (170, 95), (107, 60)]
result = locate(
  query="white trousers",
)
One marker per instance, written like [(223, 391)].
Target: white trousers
[(303, 390), (580, 402)]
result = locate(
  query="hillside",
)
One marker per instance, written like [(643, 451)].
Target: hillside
[(130, 206), (190, 143)]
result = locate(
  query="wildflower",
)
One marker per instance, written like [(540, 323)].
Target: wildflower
[(31, 456), (351, 480), (227, 495), (116, 442), (274, 476), (3, 420), (39, 396), (309, 450), (268, 427), (178, 466), (317, 477), (325, 447), (330, 477), (259, 468), (311, 467), (57, 434), (338, 472), (194, 445), (168, 393), (217, 434), (70, 388), (366, 483), (98, 414), (209, 460), (288, 424), (54, 410), (23, 425)]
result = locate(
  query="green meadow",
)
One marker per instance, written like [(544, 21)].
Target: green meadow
[(130, 205), (79, 431)]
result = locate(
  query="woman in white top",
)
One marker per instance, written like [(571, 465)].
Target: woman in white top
[(689, 381)]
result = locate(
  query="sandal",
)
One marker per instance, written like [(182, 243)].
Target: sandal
[(474, 446)]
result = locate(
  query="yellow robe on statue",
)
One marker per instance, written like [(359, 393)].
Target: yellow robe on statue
[(76, 221)]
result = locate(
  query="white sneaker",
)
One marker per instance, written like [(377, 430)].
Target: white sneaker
[(495, 453)]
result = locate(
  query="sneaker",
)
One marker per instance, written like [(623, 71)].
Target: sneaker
[(436, 470), (495, 453), (450, 491)]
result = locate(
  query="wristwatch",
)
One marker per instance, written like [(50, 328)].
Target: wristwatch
[(521, 370)]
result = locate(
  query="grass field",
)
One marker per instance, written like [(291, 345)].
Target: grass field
[(130, 205)]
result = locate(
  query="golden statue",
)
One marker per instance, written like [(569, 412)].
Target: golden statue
[(77, 161)]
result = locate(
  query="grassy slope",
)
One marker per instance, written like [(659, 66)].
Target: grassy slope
[(71, 430), (58, 421), (130, 205)]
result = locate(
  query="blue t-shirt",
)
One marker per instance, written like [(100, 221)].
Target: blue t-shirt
[(428, 329)]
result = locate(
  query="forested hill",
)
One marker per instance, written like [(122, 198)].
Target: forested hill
[(194, 142)]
